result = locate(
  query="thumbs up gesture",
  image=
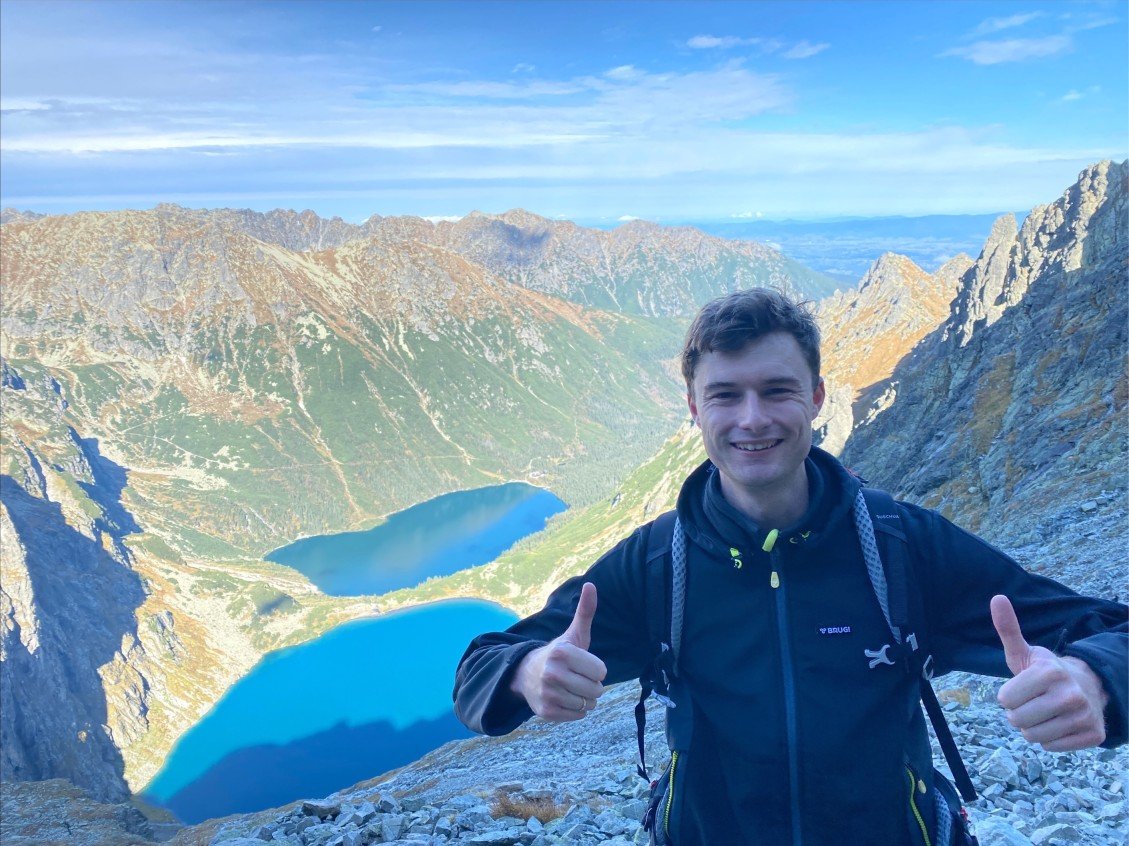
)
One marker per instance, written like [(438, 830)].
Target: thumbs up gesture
[(562, 680), (1057, 702)]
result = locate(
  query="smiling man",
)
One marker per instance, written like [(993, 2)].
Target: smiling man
[(792, 721)]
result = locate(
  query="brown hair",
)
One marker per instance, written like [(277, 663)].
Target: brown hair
[(729, 323)]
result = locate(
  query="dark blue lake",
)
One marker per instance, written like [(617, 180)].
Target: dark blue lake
[(362, 699), (435, 538)]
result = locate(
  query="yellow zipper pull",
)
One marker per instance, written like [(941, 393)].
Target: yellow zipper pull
[(769, 543)]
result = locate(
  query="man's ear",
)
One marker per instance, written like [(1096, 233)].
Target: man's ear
[(819, 395), (693, 405)]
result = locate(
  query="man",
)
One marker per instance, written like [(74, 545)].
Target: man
[(796, 737)]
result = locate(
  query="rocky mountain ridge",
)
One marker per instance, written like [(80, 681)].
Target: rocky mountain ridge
[(1080, 303), (1022, 390)]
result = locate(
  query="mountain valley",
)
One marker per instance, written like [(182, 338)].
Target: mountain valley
[(185, 391)]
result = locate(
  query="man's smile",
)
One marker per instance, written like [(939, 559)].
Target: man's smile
[(755, 446)]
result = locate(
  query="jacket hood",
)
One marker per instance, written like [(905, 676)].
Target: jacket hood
[(714, 524)]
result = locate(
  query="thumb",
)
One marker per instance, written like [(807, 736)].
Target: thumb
[(1017, 652), (579, 632)]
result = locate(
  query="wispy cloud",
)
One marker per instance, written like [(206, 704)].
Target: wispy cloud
[(723, 42), (766, 46), (623, 101), (993, 25), (804, 50), (1013, 49), (1073, 94)]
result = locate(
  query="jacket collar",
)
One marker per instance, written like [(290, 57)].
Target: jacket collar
[(712, 522)]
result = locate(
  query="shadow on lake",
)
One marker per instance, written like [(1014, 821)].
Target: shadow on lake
[(269, 775)]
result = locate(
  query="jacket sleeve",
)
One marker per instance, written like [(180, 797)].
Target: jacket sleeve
[(961, 573), (483, 700)]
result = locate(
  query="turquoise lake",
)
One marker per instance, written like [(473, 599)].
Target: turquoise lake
[(435, 538), (362, 699), (365, 697)]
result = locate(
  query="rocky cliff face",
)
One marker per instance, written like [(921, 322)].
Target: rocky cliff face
[(869, 329), (1011, 415)]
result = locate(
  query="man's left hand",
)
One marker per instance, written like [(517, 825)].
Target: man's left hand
[(1057, 702)]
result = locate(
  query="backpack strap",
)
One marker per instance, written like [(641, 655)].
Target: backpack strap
[(877, 512), (664, 537)]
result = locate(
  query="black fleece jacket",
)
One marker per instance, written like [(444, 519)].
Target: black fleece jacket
[(796, 739)]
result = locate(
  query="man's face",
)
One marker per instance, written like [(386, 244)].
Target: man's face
[(755, 408)]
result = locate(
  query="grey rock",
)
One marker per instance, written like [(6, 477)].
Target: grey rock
[(994, 831), (474, 818), (322, 810), (509, 837), (1053, 835), (391, 826), (1001, 767), (461, 803)]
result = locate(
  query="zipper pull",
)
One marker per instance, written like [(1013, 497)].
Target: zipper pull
[(769, 543)]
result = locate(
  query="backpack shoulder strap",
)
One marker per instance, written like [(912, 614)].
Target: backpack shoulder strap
[(878, 514), (889, 573), (662, 535)]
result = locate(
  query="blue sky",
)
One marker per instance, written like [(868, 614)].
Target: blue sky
[(585, 110)]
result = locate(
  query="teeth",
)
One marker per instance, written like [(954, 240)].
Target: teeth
[(755, 448)]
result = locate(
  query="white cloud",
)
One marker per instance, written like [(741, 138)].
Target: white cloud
[(1012, 50), (490, 90), (377, 28), (23, 104), (746, 215), (623, 72), (1074, 94), (724, 42), (443, 218), (804, 50), (523, 67), (992, 25), (627, 218)]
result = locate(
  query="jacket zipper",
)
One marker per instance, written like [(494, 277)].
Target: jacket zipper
[(914, 786), (789, 693), (670, 793)]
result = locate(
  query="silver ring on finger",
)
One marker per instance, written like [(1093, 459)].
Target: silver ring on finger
[(583, 704)]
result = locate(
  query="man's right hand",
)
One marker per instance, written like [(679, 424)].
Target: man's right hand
[(562, 680)]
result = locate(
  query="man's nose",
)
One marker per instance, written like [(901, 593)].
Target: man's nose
[(751, 414)]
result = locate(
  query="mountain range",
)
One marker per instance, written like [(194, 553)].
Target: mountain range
[(186, 390)]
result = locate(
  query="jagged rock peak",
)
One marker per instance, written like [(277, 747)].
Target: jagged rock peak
[(1054, 238), (11, 215), (893, 269), (952, 270)]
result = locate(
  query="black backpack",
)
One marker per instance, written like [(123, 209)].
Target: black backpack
[(886, 551)]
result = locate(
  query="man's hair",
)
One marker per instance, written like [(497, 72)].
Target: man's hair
[(728, 323)]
